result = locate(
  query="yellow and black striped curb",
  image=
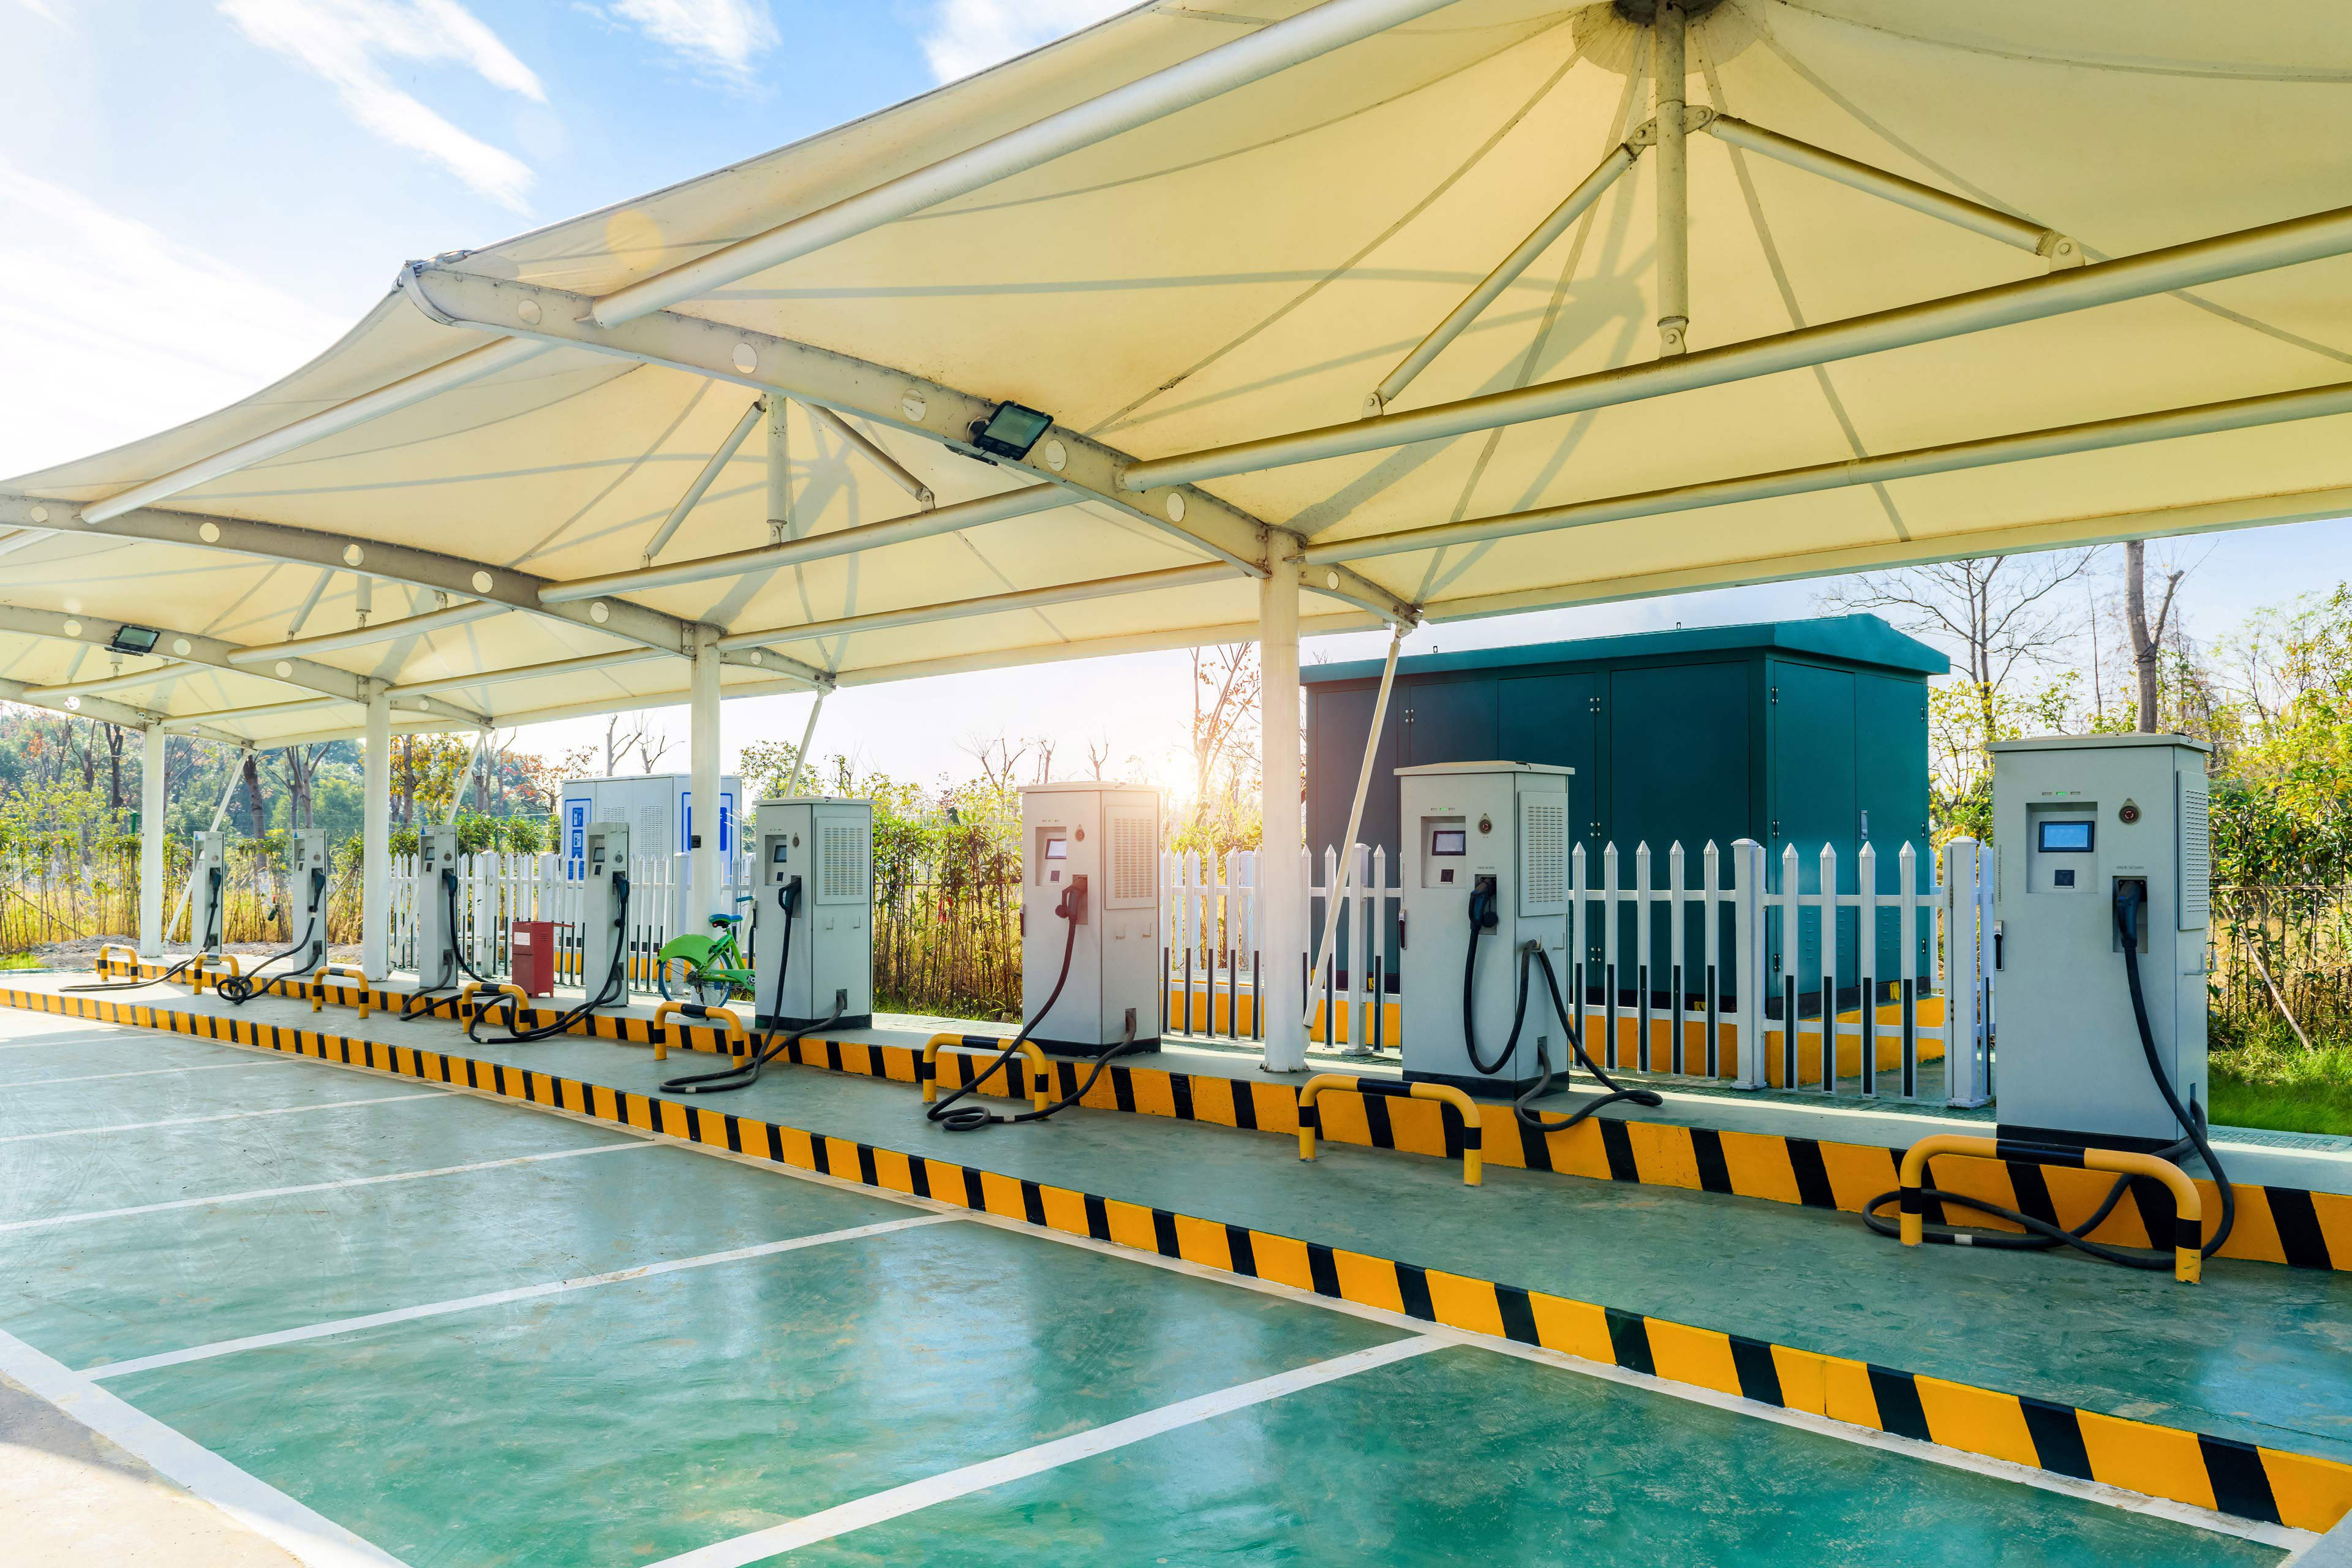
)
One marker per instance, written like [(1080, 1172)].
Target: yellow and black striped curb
[(2270, 1485), (2293, 1226)]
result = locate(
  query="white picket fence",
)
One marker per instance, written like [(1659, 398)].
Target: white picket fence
[(494, 890), (1630, 939)]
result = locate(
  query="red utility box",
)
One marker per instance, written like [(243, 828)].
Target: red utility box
[(533, 944)]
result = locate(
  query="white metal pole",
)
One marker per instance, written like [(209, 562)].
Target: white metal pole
[(865, 447), (465, 780), (1355, 820), (1591, 190), (808, 738), (220, 815), (1284, 835), (1250, 57), (1674, 178), (704, 890), (151, 742), (376, 839), (779, 467), (703, 481), (2234, 255), (2102, 435)]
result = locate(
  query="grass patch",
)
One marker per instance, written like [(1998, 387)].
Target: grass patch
[(20, 960), (2261, 1075)]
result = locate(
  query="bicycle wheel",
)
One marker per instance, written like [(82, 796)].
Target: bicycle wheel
[(680, 980)]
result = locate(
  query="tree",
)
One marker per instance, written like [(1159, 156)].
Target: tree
[(997, 757), (652, 743), (2147, 639), (1097, 753), (1226, 689)]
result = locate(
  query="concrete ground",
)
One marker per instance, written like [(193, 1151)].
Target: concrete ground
[(390, 1323)]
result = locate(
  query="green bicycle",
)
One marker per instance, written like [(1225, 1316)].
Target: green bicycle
[(705, 969)]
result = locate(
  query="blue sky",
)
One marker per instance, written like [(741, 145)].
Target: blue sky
[(196, 195)]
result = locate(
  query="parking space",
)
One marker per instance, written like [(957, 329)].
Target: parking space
[(473, 1333)]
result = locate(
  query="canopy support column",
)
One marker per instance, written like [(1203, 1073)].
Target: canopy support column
[(1339, 899), (779, 470), (1674, 179), (705, 891), (1282, 847), (151, 742), (376, 839), (808, 738)]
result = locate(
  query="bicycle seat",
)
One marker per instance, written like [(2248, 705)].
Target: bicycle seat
[(727, 920)]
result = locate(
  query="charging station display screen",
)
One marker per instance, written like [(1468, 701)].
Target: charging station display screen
[(2063, 838), (1057, 849), (1449, 841), (778, 857)]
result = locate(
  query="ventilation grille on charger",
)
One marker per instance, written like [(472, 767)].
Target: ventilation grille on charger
[(842, 866), (1134, 858), (1543, 856)]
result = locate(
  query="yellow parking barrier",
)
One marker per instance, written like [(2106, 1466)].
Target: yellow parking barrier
[(928, 1070), (2188, 1205), (738, 1042), (106, 949), (1464, 1107), (213, 963), (349, 971)]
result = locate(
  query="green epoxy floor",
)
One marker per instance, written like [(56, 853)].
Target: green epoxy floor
[(2258, 1351), (630, 1421)]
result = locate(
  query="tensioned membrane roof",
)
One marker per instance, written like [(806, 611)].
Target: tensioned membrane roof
[(1909, 229)]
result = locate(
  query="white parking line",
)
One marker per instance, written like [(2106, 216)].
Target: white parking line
[(313, 1539), (314, 1187), (841, 1520), (500, 1297), (142, 1072), (224, 1116)]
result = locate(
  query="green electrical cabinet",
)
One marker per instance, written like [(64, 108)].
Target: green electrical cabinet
[(1805, 732)]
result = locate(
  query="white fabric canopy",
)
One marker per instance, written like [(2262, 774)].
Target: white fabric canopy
[(1251, 265)]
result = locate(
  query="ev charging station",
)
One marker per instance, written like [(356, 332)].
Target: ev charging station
[(813, 922), (1092, 849), (2080, 820), (308, 874), (605, 868), (436, 944), (1486, 862), (209, 876)]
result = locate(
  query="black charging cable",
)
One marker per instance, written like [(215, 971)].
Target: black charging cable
[(614, 989), (240, 988), (208, 945), (745, 1073), (2130, 909), (972, 1118)]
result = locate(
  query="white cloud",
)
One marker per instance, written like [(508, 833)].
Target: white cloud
[(967, 36), (347, 41), (722, 35), (111, 330)]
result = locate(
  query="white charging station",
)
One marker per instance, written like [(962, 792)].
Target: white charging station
[(604, 863), (815, 878), (436, 946), (209, 877), (1501, 827), (309, 875), (2073, 818), (1102, 839)]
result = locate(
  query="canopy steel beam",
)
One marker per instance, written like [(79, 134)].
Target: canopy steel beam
[(96, 707), (865, 446), (130, 680), (1271, 48), (1975, 216), (1022, 502), (553, 667), (450, 574), (471, 365), (703, 480), (2312, 238), (364, 637), (1668, 78), (1083, 467), (1588, 191), (988, 605), (2200, 419), (340, 684)]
